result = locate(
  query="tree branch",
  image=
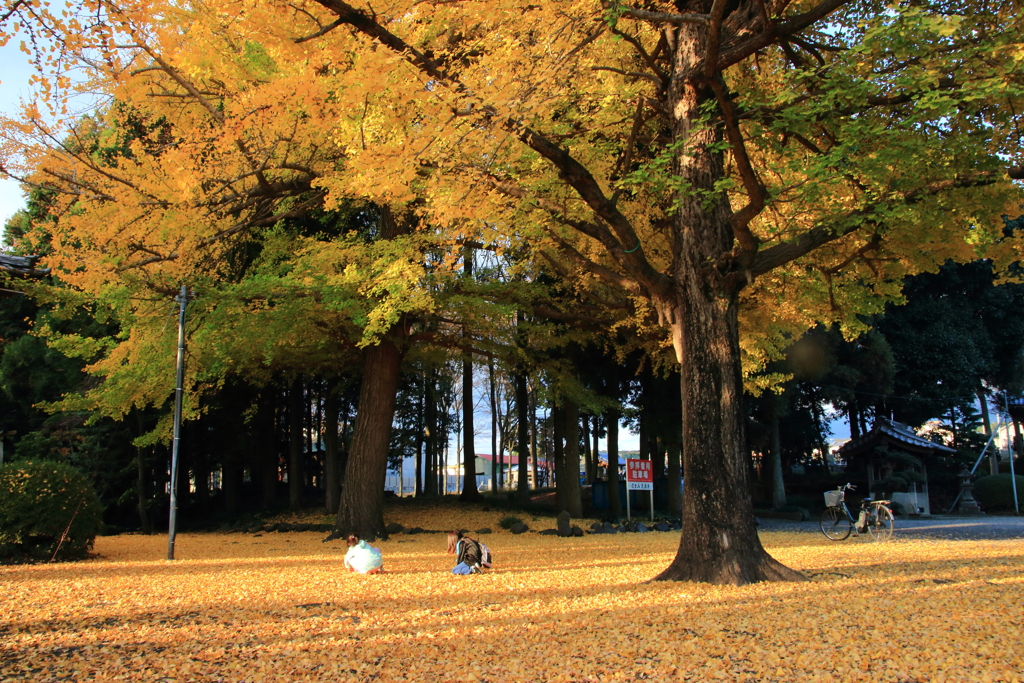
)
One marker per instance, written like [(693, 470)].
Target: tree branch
[(822, 234), (774, 32), (569, 169)]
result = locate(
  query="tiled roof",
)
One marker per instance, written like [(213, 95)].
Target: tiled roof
[(22, 266), (887, 429)]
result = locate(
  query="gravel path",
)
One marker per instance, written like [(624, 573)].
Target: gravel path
[(939, 526)]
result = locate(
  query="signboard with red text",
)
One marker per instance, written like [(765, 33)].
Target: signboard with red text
[(639, 475)]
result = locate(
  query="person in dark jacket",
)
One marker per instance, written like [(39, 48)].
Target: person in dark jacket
[(467, 553)]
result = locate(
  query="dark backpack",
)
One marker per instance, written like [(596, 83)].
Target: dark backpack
[(483, 552), (485, 556)]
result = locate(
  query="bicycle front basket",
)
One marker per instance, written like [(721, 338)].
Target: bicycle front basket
[(833, 498)]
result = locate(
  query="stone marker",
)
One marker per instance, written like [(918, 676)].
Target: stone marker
[(564, 529)]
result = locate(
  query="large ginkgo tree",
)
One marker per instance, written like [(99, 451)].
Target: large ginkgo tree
[(736, 169)]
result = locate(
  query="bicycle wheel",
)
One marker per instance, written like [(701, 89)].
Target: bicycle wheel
[(881, 525), (835, 524)]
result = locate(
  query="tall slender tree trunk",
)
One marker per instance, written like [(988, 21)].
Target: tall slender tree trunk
[(573, 498), (469, 489), (674, 450), (523, 441), (332, 466), (430, 415), (266, 444), (495, 468), (778, 485), (295, 475), (588, 457), (558, 448), (361, 510), (993, 457), (719, 543), (418, 466), (142, 488), (533, 439), (614, 504)]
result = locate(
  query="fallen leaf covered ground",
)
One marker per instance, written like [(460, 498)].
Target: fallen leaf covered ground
[(281, 607)]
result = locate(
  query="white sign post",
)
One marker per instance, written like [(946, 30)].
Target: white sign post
[(639, 477)]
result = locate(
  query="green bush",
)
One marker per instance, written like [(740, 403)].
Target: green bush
[(509, 521), (41, 502), (995, 492)]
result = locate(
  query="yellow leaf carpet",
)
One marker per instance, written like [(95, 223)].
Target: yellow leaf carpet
[(281, 607)]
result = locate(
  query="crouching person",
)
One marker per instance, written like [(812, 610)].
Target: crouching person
[(470, 556), (363, 558)]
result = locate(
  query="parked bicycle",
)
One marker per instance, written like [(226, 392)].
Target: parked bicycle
[(875, 517)]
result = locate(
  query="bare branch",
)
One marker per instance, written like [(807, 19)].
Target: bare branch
[(756, 194), (325, 30)]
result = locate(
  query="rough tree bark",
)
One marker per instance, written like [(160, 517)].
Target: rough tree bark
[(361, 506), (361, 510), (719, 543)]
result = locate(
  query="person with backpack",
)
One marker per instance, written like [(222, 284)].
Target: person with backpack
[(363, 558), (471, 556)]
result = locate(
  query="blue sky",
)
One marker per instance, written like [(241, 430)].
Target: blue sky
[(14, 75)]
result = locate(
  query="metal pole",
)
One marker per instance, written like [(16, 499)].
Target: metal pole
[(171, 526), (628, 518)]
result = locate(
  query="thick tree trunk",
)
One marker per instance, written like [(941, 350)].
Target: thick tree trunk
[(361, 510), (719, 543), (614, 504), (332, 468), (295, 476), (571, 483)]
